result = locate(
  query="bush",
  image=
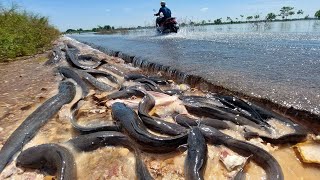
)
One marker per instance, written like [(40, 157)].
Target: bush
[(23, 33), (317, 15)]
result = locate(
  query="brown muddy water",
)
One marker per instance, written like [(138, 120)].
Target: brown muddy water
[(25, 85)]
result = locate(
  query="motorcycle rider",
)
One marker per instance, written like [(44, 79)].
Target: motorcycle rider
[(165, 11)]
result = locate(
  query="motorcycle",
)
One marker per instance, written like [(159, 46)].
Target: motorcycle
[(168, 26)]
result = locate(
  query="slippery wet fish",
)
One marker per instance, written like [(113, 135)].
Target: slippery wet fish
[(55, 57), (126, 93), (30, 126), (94, 141), (70, 73), (103, 73), (149, 85), (133, 77), (53, 158), (73, 59), (197, 155), (187, 121), (259, 156), (90, 129), (212, 108), (94, 82), (156, 124), (134, 127)]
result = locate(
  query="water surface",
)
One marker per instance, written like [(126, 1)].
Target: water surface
[(279, 61)]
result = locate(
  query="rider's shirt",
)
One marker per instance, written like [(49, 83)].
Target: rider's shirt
[(165, 11)]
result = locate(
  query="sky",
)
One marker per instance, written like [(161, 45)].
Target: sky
[(87, 14)]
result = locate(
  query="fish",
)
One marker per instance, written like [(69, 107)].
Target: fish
[(213, 108), (52, 158), (84, 129), (196, 155), (187, 121), (95, 83), (31, 125), (156, 124), (258, 155), (132, 125), (70, 73), (74, 61), (93, 141), (103, 73)]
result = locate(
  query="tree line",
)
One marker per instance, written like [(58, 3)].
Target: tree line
[(285, 13)]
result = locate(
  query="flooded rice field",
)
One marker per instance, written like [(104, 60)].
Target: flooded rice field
[(111, 120)]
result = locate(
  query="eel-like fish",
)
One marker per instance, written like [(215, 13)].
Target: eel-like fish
[(126, 93), (149, 85), (212, 108), (70, 73), (96, 140), (55, 58), (156, 124), (259, 155), (264, 115), (134, 127), (103, 73), (30, 126), (187, 121), (86, 130), (94, 82), (53, 158), (197, 155), (133, 77), (73, 59), (113, 69)]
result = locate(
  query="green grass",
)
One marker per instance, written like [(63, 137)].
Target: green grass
[(23, 33)]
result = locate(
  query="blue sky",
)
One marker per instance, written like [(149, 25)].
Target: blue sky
[(87, 14)]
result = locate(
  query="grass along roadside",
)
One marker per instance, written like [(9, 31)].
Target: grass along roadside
[(23, 33)]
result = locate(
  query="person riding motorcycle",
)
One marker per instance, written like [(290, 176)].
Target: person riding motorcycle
[(165, 11)]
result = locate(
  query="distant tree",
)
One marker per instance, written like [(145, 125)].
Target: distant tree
[(107, 27), (183, 24), (256, 17), (203, 22), (271, 16), (291, 13), (80, 30), (286, 11), (306, 17), (94, 29), (229, 19), (241, 17), (71, 31), (300, 12), (112, 27), (191, 23), (237, 19), (217, 21), (317, 14), (249, 18)]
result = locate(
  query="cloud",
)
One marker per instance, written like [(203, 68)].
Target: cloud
[(205, 9)]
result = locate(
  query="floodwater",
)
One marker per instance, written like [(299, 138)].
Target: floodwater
[(279, 61)]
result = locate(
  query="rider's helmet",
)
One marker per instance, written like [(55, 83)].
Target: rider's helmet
[(163, 3)]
